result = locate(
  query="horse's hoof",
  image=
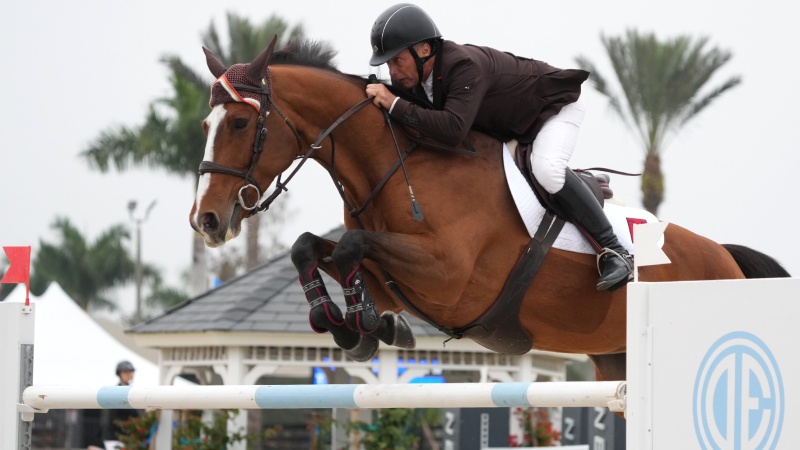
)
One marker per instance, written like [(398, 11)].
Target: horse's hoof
[(364, 350), (399, 330)]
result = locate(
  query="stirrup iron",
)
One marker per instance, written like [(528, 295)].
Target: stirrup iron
[(627, 259)]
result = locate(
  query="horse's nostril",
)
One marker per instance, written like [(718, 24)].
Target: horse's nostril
[(210, 222)]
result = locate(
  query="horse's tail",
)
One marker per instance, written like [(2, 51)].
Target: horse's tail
[(755, 264)]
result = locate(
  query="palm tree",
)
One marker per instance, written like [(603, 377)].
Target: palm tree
[(174, 140), (85, 270), (661, 83)]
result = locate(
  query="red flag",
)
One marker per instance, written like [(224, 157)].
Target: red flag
[(19, 267)]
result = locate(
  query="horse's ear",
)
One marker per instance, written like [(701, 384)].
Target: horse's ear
[(214, 65), (258, 67)]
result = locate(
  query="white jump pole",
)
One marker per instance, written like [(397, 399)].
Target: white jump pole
[(450, 395)]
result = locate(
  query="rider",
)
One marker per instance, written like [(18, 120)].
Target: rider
[(505, 96), (125, 372)]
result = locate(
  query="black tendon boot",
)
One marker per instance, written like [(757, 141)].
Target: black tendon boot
[(614, 263)]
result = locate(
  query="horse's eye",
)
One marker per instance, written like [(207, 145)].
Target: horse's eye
[(239, 124)]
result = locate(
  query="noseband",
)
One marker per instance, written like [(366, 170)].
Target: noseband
[(265, 90)]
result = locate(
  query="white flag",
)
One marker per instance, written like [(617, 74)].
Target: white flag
[(646, 238)]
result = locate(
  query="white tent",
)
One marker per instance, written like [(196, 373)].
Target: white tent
[(70, 348)]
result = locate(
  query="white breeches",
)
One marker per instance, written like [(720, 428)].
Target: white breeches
[(554, 145)]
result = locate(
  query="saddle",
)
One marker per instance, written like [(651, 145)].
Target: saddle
[(597, 184)]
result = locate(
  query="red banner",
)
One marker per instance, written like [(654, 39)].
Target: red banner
[(19, 267)]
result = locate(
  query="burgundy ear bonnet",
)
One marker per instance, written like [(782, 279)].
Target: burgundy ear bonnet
[(253, 75), (222, 91)]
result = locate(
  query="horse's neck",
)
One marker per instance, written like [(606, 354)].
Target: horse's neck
[(361, 162), (360, 151)]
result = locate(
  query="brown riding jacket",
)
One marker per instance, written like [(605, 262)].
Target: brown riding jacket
[(500, 94)]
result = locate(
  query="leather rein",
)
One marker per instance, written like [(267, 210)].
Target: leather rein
[(258, 147)]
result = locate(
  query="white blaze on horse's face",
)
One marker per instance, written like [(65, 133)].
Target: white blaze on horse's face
[(213, 122)]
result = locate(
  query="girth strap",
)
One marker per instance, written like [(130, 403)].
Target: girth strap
[(499, 329)]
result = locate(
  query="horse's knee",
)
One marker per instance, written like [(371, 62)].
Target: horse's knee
[(305, 250), (349, 250)]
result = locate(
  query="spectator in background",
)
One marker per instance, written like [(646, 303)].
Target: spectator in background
[(112, 430)]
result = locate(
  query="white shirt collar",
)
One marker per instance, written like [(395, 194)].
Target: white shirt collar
[(427, 85)]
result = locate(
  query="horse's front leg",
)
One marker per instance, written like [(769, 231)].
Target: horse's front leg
[(307, 253), (362, 313)]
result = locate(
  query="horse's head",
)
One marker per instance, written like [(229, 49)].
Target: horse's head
[(233, 174)]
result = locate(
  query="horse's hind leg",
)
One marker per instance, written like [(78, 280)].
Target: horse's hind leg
[(609, 367), (324, 314), (362, 314)]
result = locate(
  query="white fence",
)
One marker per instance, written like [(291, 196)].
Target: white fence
[(713, 365), (710, 365)]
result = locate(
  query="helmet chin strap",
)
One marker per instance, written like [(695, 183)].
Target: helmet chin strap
[(420, 61)]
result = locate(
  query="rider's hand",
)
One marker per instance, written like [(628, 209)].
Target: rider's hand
[(383, 97)]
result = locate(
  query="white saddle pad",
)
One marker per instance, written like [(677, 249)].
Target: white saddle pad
[(622, 218)]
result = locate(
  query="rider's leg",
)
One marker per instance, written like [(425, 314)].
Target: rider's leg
[(550, 156), (582, 207)]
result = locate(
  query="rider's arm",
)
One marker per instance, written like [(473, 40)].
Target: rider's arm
[(465, 86)]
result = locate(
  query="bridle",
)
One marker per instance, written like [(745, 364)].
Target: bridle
[(265, 91)]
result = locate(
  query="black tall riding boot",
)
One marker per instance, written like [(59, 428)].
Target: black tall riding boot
[(613, 262)]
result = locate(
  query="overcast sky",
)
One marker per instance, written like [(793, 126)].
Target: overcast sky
[(74, 68)]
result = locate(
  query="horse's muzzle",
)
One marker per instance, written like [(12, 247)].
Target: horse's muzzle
[(215, 231)]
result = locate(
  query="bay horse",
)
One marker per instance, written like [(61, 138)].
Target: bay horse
[(447, 266)]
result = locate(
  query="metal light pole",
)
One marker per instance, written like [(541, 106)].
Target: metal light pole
[(138, 264)]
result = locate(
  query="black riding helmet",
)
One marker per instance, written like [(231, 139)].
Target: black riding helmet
[(399, 28), (124, 366)]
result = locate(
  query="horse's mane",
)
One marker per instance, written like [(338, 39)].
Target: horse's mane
[(306, 53), (311, 53)]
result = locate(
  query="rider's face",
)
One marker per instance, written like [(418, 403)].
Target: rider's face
[(126, 376), (403, 70)]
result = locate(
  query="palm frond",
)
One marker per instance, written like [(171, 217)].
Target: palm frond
[(600, 85), (210, 39), (165, 298), (179, 69), (115, 147), (706, 100), (86, 271), (660, 80)]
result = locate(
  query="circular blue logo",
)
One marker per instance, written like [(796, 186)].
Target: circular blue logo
[(738, 395)]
